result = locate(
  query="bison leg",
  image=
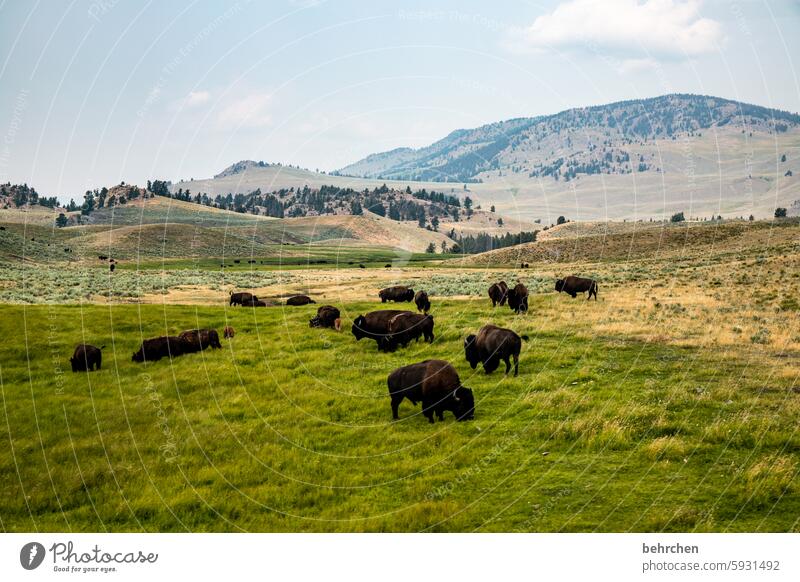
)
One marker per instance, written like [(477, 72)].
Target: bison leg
[(427, 410), (508, 365), (99, 360), (516, 365), (395, 405), (573, 295)]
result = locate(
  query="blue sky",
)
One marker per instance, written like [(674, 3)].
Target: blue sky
[(95, 92)]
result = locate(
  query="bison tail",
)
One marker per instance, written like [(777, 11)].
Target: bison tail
[(524, 337), (103, 347)]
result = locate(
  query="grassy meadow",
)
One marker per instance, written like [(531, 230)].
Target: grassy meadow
[(669, 405), (289, 429)]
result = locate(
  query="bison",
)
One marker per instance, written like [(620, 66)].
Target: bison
[(86, 358), (491, 345), (299, 300), (241, 298), (398, 293), (518, 298), (436, 384), (422, 302), (498, 293), (254, 302), (374, 325), (405, 327), (196, 340), (228, 332), (156, 348), (327, 316), (574, 285)]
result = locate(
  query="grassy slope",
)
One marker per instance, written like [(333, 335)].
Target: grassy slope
[(719, 172), (288, 429)]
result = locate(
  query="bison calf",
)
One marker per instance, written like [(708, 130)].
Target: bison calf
[(398, 293), (422, 301), (436, 384), (86, 358), (228, 332), (491, 345), (574, 285)]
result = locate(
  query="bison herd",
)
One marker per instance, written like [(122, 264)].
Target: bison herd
[(434, 383)]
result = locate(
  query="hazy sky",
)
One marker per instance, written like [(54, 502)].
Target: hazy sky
[(94, 92)]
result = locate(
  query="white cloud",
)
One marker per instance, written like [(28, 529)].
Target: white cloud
[(660, 28), (249, 111), (197, 98), (636, 65)]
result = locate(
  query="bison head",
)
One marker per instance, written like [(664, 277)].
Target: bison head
[(138, 357), (74, 363), (471, 351), (464, 403), (358, 327), (560, 285)]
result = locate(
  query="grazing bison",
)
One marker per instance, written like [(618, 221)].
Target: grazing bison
[(156, 348), (491, 345), (422, 301), (196, 340), (102, 257), (86, 358), (574, 285), (397, 293), (241, 298), (498, 293), (374, 325), (327, 316), (518, 298), (228, 332), (436, 384), (406, 327), (299, 300)]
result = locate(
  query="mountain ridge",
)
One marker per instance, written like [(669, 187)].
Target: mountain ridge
[(464, 155)]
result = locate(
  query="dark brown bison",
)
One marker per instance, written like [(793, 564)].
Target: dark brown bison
[(327, 316), (253, 302), (406, 327), (241, 297), (422, 301), (156, 348), (196, 340), (498, 293), (436, 384), (374, 325), (397, 293), (299, 300), (574, 285), (86, 358), (491, 345), (228, 332), (518, 298)]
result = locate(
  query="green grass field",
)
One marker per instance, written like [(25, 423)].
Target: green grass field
[(289, 428)]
